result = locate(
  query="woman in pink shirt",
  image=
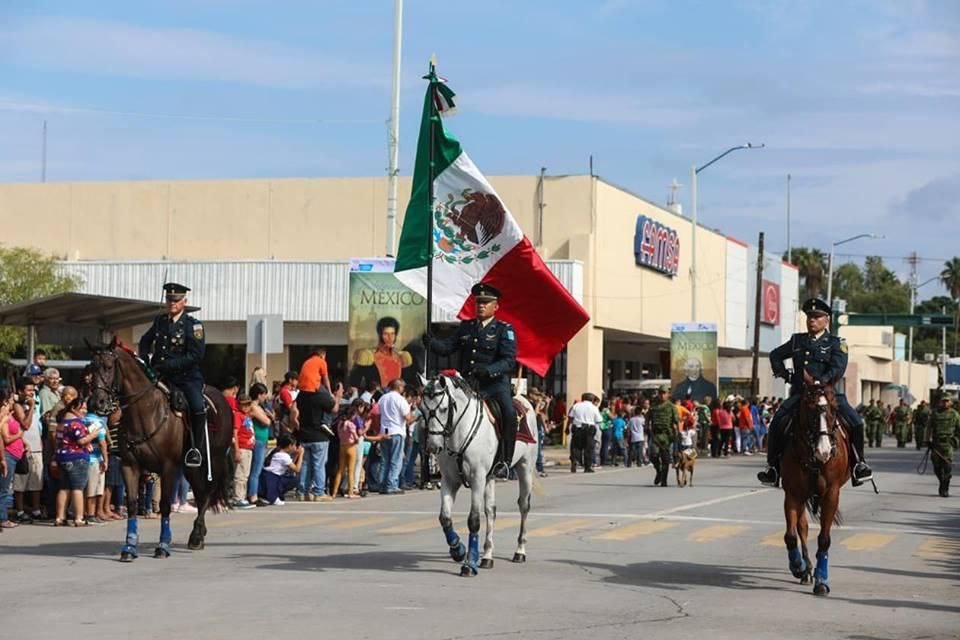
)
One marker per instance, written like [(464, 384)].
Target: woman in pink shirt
[(14, 448), (724, 420)]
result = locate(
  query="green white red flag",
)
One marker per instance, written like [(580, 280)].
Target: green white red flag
[(474, 238)]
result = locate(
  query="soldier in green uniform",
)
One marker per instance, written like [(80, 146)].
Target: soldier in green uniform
[(664, 420), (901, 424), (944, 438), (921, 416), (873, 415)]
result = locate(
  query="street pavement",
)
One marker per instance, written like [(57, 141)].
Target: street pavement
[(609, 556)]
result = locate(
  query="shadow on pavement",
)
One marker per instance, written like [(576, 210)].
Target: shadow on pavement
[(682, 575), (369, 560)]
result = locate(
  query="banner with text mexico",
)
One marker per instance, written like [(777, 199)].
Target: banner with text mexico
[(693, 361), (386, 321)]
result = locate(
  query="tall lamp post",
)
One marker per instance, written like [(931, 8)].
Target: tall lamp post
[(833, 246), (694, 172)]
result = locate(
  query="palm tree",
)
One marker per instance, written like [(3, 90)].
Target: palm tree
[(950, 277), (812, 265)]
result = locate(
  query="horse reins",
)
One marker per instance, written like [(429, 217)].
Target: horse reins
[(114, 395), (449, 428)]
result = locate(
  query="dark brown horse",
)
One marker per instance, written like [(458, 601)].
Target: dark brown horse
[(815, 466), (153, 438)]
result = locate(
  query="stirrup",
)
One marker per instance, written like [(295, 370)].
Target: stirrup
[(861, 473), (501, 470), (193, 458)]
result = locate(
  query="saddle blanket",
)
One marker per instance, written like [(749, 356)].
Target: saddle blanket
[(523, 429)]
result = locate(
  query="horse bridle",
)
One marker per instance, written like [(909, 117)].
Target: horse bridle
[(115, 393), (431, 415)]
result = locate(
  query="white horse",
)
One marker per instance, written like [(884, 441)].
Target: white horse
[(460, 431)]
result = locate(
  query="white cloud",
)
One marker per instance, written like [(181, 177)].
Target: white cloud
[(121, 49)]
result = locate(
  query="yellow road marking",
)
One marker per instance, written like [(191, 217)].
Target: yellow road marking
[(939, 549), (412, 527), (635, 530), (560, 528), (718, 532), (356, 523), (300, 522), (867, 541), (773, 540)]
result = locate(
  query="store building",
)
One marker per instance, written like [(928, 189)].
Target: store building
[(281, 246)]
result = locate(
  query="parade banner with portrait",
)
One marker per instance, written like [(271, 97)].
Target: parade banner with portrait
[(386, 321), (693, 361)]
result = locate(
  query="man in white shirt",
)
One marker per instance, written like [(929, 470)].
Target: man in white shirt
[(395, 414), (584, 420)]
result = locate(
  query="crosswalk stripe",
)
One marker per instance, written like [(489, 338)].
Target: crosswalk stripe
[(773, 540), (939, 549), (867, 541), (718, 532), (635, 530), (560, 528), (356, 523)]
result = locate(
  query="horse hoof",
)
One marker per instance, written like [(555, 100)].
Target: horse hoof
[(195, 546), (805, 578), (821, 589), (486, 563), (800, 570), (467, 571), (126, 556), (161, 553), (519, 557), (458, 553)]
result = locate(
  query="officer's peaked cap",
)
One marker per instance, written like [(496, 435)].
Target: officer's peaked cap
[(484, 291), (816, 305), (173, 287)]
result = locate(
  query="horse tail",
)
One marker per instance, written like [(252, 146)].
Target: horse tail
[(813, 507), (221, 490)]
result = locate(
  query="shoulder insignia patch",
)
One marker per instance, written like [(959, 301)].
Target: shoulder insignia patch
[(198, 331), (510, 335), (843, 346)]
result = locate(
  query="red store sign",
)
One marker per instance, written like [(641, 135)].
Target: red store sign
[(770, 303)]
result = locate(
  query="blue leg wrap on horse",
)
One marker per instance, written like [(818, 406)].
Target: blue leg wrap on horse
[(452, 538), (166, 533), (821, 573), (133, 532), (474, 556)]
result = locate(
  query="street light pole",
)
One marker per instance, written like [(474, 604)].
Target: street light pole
[(833, 246), (694, 171)]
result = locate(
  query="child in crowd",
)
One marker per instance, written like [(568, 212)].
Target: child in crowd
[(280, 471), (96, 468), (637, 434), (243, 442)]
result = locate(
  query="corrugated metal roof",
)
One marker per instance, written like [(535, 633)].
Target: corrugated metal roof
[(300, 291)]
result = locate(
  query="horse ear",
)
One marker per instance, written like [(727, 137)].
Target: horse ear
[(422, 380), (87, 342)]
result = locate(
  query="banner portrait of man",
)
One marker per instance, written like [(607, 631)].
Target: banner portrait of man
[(385, 321), (693, 361)]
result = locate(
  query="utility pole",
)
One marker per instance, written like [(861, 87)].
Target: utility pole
[(913, 261), (43, 154), (393, 169), (789, 247), (755, 371)]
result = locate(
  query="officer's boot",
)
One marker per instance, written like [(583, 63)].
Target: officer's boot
[(771, 475), (946, 484), (861, 472), (198, 431), (501, 466)]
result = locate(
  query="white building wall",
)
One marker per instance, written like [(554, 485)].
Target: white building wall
[(737, 306)]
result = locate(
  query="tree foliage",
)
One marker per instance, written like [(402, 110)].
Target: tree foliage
[(812, 267), (27, 274)]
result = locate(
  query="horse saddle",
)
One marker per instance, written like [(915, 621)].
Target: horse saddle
[(178, 401), (523, 429)]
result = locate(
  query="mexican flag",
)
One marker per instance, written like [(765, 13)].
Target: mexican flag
[(474, 238)]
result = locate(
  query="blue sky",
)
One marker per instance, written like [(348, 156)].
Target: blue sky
[(858, 99)]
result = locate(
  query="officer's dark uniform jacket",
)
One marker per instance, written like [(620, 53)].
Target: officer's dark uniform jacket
[(495, 347), (177, 348), (824, 358)]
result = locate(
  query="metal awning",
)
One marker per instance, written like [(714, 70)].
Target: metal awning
[(82, 309)]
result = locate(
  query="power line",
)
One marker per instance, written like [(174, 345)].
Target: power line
[(48, 109)]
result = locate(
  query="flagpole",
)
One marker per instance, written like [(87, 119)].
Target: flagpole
[(431, 78)]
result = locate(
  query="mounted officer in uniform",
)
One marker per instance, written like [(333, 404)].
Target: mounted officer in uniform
[(823, 357), (488, 353), (177, 343)]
